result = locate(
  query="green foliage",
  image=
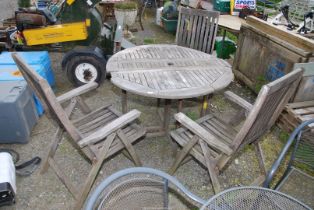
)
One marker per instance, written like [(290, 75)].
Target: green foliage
[(149, 41), (24, 3), (170, 11), (259, 83), (126, 6), (193, 115), (283, 136), (228, 35)]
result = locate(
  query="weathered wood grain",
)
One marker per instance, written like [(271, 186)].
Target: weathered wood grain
[(94, 125), (168, 71), (219, 142), (202, 133)]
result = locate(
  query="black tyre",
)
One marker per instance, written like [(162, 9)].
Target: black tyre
[(84, 69)]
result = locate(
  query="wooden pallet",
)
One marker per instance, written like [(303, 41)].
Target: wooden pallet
[(296, 113)]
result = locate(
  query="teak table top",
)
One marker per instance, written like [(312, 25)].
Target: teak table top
[(168, 71)]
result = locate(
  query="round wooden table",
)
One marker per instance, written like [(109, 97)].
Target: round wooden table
[(168, 72)]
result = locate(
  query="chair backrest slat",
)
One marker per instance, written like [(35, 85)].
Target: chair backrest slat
[(46, 96), (197, 29), (269, 104)]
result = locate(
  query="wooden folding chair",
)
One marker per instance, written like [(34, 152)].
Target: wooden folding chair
[(98, 134), (214, 142), (197, 29)]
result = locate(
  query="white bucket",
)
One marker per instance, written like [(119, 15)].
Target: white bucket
[(7, 170), (158, 16)]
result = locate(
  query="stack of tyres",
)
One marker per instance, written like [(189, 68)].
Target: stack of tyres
[(39, 61), (17, 112)]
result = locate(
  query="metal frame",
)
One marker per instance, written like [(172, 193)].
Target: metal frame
[(294, 138), (204, 207), (139, 170)]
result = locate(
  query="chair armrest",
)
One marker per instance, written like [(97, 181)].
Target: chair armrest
[(202, 133), (238, 100), (296, 134), (110, 127), (77, 91)]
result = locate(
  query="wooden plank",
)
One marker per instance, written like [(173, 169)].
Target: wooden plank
[(182, 154), (81, 197), (109, 128), (202, 133), (63, 178), (43, 90), (118, 145), (56, 139), (210, 166), (300, 104), (83, 106), (221, 134), (95, 120), (198, 32), (231, 23), (77, 91), (86, 131), (309, 110), (238, 100), (129, 147), (271, 30), (193, 31), (86, 118)]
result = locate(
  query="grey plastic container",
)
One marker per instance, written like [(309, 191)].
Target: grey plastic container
[(17, 112)]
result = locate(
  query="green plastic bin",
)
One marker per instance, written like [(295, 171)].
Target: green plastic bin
[(222, 5), (224, 49), (169, 25)]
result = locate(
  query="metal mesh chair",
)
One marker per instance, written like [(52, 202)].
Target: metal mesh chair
[(142, 189), (294, 181), (252, 198)]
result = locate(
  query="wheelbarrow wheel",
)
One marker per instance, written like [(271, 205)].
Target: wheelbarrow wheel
[(84, 69)]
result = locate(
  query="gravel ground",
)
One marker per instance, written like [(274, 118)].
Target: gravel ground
[(7, 8), (47, 192)]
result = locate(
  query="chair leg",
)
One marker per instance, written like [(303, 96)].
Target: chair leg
[(260, 157), (57, 138), (63, 178), (83, 106), (129, 148), (181, 155), (124, 101), (261, 162), (94, 171), (52, 151), (210, 167)]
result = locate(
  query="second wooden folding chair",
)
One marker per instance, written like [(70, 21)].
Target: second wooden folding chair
[(214, 142)]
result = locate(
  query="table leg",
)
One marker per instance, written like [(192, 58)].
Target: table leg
[(167, 113), (223, 42), (180, 106), (158, 102), (205, 105), (166, 120), (124, 102)]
